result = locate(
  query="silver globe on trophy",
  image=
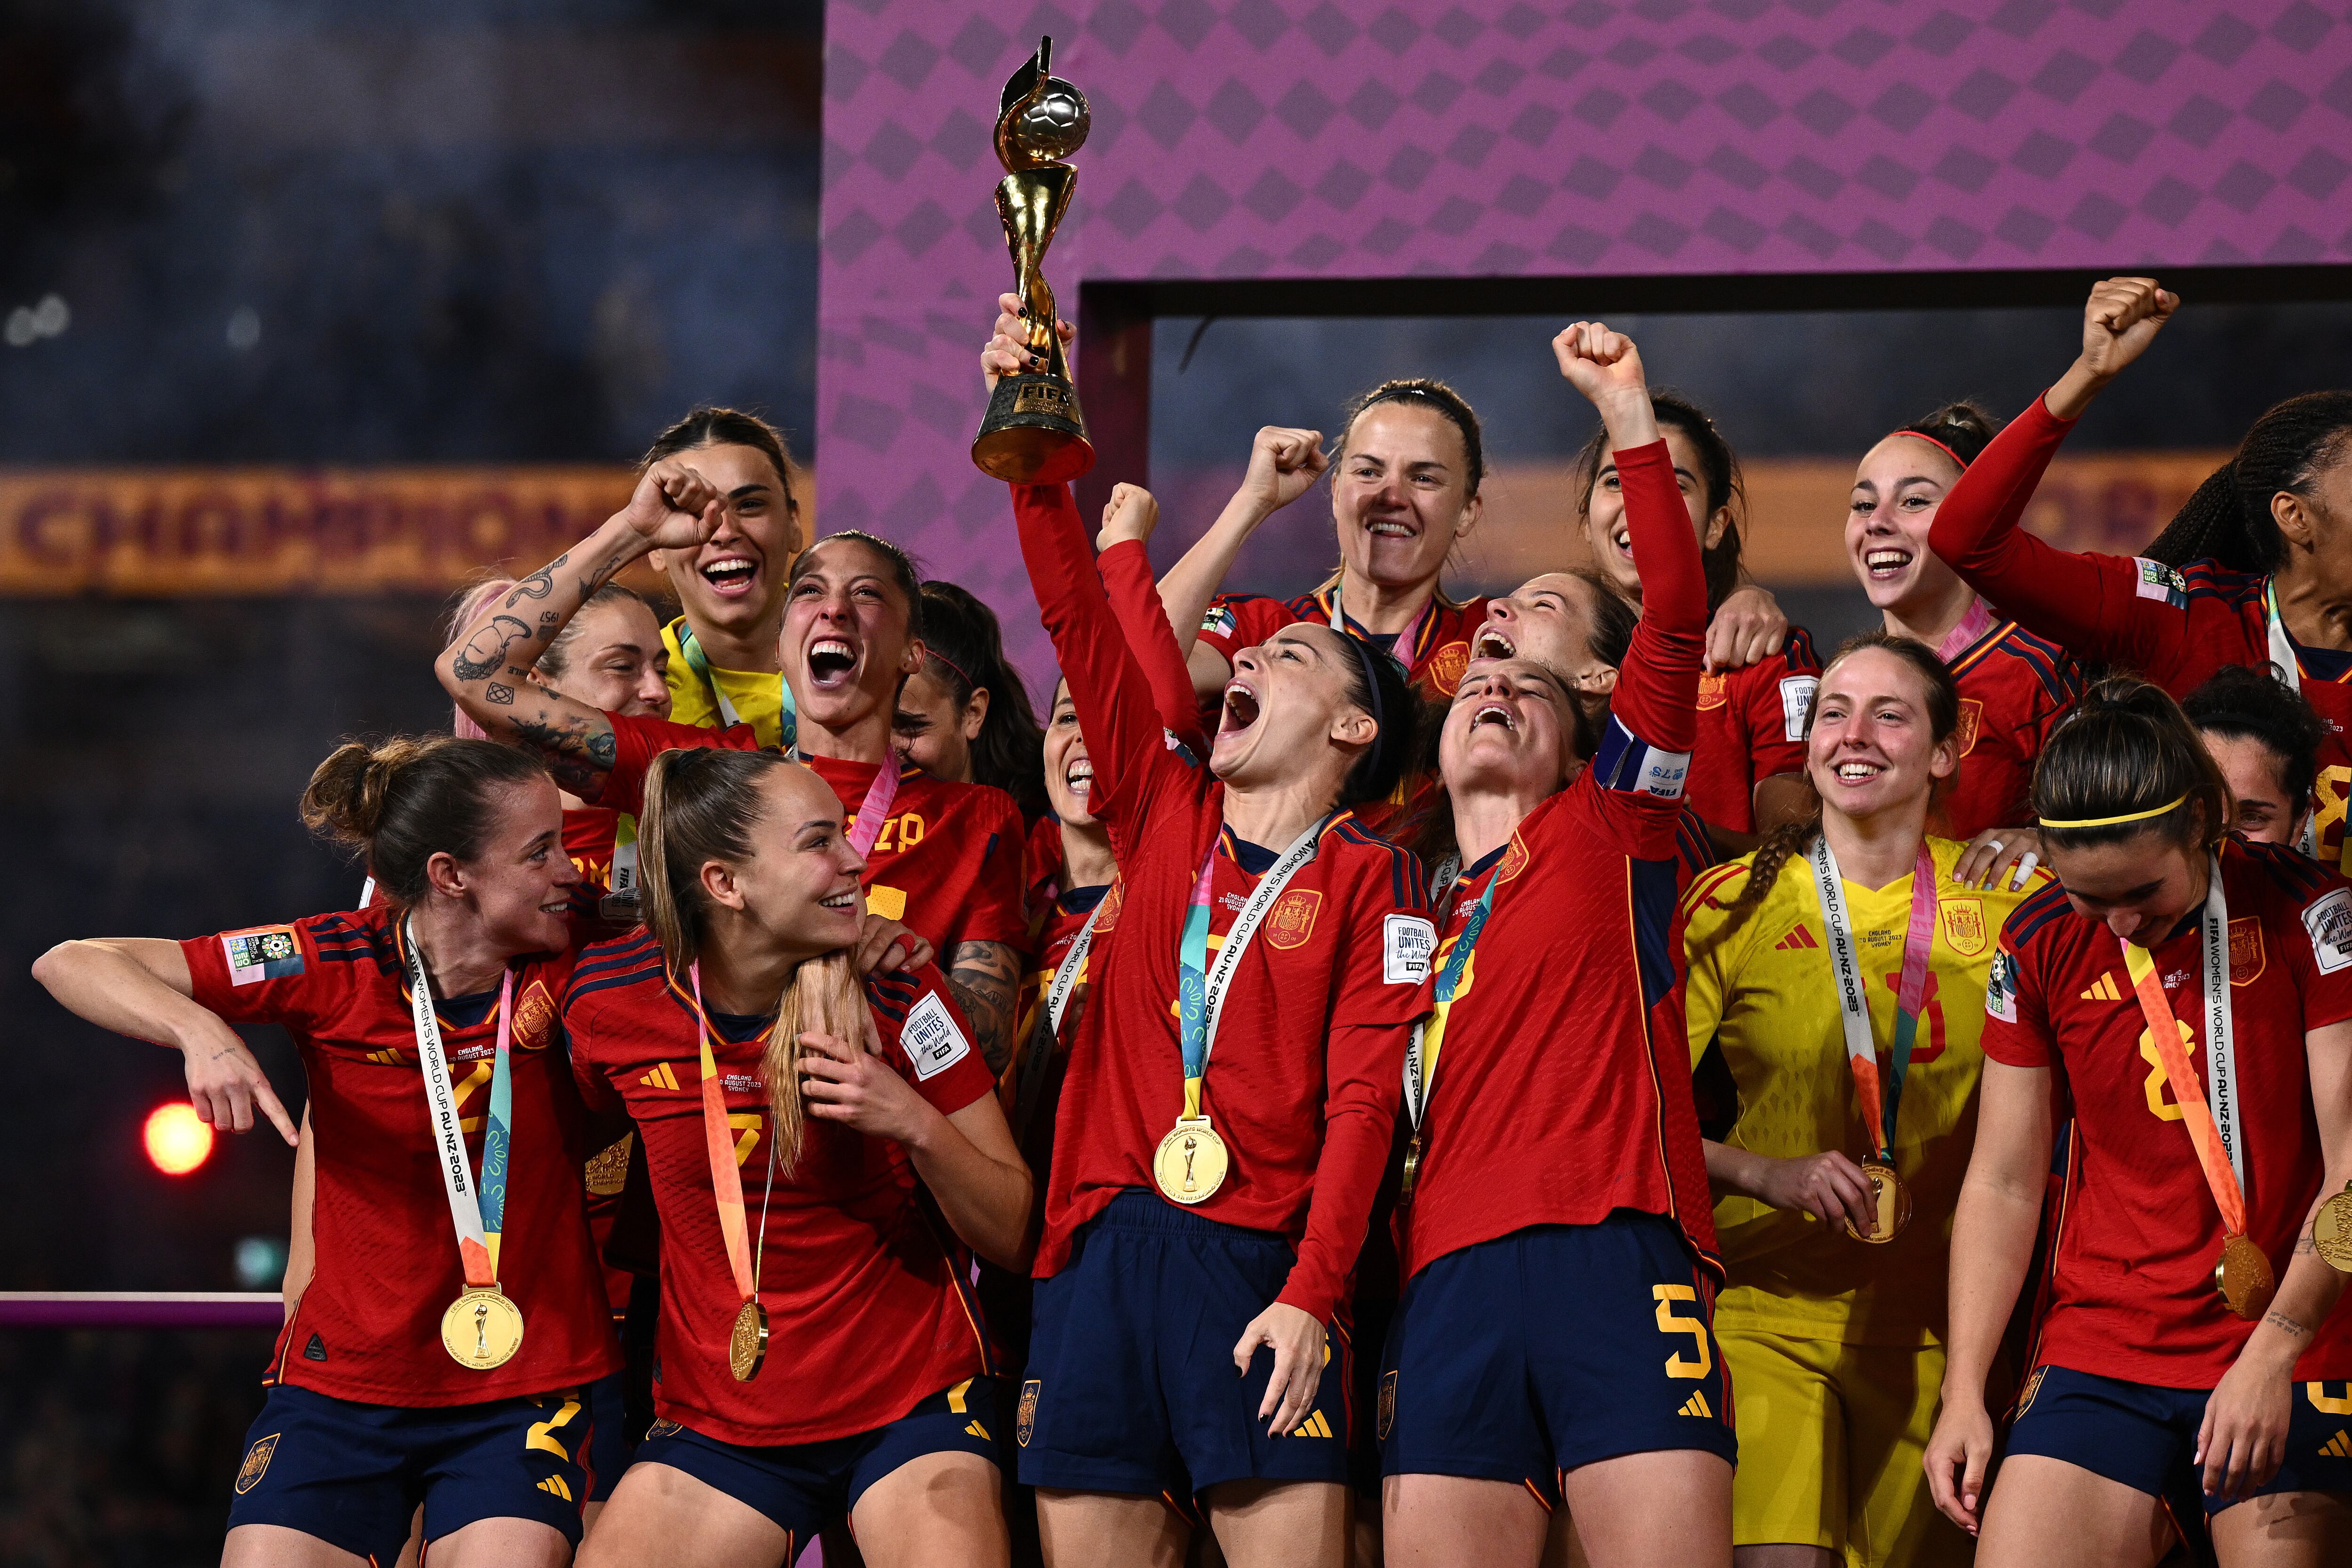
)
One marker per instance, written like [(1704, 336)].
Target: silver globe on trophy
[(1033, 432)]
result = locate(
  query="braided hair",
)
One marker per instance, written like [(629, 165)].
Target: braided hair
[(2228, 520)]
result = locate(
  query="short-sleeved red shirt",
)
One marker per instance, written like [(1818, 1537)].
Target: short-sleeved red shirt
[(1751, 726), (948, 861), (869, 1312), (2131, 1274), (2013, 688), (367, 1327)]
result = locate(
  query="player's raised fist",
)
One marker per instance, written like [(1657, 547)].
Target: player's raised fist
[(2123, 317), (1284, 464), (674, 506), (1598, 361), (1131, 513)]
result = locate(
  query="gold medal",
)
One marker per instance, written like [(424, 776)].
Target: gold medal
[(2331, 1231), (482, 1329), (747, 1345), (1891, 1198), (2242, 1275), (1190, 1164), (1411, 1171)]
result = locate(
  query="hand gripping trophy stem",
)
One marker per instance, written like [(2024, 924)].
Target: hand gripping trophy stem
[(1034, 432)]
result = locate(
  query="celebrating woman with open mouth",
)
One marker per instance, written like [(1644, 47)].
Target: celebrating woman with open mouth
[(1226, 1110)]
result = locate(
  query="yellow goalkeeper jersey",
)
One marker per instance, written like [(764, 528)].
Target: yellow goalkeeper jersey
[(1766, 994), (757, 696)]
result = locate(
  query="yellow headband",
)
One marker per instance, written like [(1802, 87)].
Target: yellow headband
[(2111, 821)]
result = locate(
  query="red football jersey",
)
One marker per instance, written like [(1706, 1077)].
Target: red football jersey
[(589, 835), (2176, 627), (2013, 688), (369, 1325), (2131, 1275), (869, 1308), (1304, 1076), (1561, 1091), (946, 861), (1439, 654), (1751, 726), (1126, 572)]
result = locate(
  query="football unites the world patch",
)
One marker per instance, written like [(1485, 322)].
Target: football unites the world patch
[(933, 1042), (262, 952)]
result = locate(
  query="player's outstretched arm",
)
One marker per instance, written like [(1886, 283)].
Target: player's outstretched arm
[(139, 986), (485, 669), (1283, 464)]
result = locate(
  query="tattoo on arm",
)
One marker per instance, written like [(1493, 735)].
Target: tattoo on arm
[(598, 576), (2286, 1325), (498, 692), (486, 650), (579, 750), (986, 977), (539, 584)]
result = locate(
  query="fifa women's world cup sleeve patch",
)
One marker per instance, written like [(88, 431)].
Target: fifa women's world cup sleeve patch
[(1628, 763), (1797, 704), (2161, 584), (1220, 620), (262, 952), (2001, 989), (1406, 942), (932, 1040), (2329, 918)]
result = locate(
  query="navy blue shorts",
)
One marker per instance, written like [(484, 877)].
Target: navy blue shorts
[(2145, 1436), (608, 1434), (1537, 1353), (1132, 1386), (353, 1474), (803, 1486)]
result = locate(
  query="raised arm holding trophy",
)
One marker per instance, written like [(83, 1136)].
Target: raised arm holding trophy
[(1034, 432)]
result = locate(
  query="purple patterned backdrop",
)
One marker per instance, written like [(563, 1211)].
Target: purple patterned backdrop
[(1238, 139)]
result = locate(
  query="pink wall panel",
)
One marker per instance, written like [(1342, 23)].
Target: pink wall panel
[(1304, 138)]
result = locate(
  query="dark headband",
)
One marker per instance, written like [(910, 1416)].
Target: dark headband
[(1364, 656)]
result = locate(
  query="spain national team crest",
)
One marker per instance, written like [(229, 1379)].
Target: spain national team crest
[(1292, 921), (1445, 667), (2032, 1387), (1971, 720), (257, 1464), (1710, 692), (1964, 926), (534, 1016), (1025, 1421), (2245, 951), (1388, 1406)]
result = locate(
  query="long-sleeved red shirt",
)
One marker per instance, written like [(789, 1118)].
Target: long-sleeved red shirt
[(2176, 626), (1561, 1091), (1304, 1077)]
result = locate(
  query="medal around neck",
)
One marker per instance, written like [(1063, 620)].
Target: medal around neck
[(1892, 1199), (2331, 1231), (747, 1343), (1190, 1166), (482, 1329), (2242, 1274), (1878, 1079)]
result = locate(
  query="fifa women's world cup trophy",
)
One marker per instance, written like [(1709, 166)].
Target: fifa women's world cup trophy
[(1034, 432)]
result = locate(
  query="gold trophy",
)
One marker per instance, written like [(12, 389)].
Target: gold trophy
[(1034, 434)]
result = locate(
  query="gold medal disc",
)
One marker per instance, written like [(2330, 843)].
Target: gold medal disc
[(747, 1345), (1191, 1163), (2242, 1275), (482, 1329), (2331, 1231), (1892, 1197), (1411, 1171)]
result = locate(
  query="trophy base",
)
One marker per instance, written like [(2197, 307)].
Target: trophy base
[(1033, 434)]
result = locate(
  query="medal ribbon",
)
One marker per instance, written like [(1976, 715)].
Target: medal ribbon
[(1881, 1093), (1963, 637), (726, 1176), (1048, 1030), (2212, 1125), (1429, 1036), (1403, 650), (2290, 670), (1200, 986), (874, 809), (477, 1211), (623, 880), (787, 725)]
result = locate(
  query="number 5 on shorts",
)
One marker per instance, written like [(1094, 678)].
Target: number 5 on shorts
[(1671, 1321)]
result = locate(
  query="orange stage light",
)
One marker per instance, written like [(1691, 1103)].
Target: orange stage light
[(177, 1139)]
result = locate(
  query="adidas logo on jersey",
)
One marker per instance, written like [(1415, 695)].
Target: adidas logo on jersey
[(1697, 1405), (2339, 1447), (555, 1484), (661, 1077), (1313, 1426), (1801, 936), (389, 1056), (2103, 989)]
